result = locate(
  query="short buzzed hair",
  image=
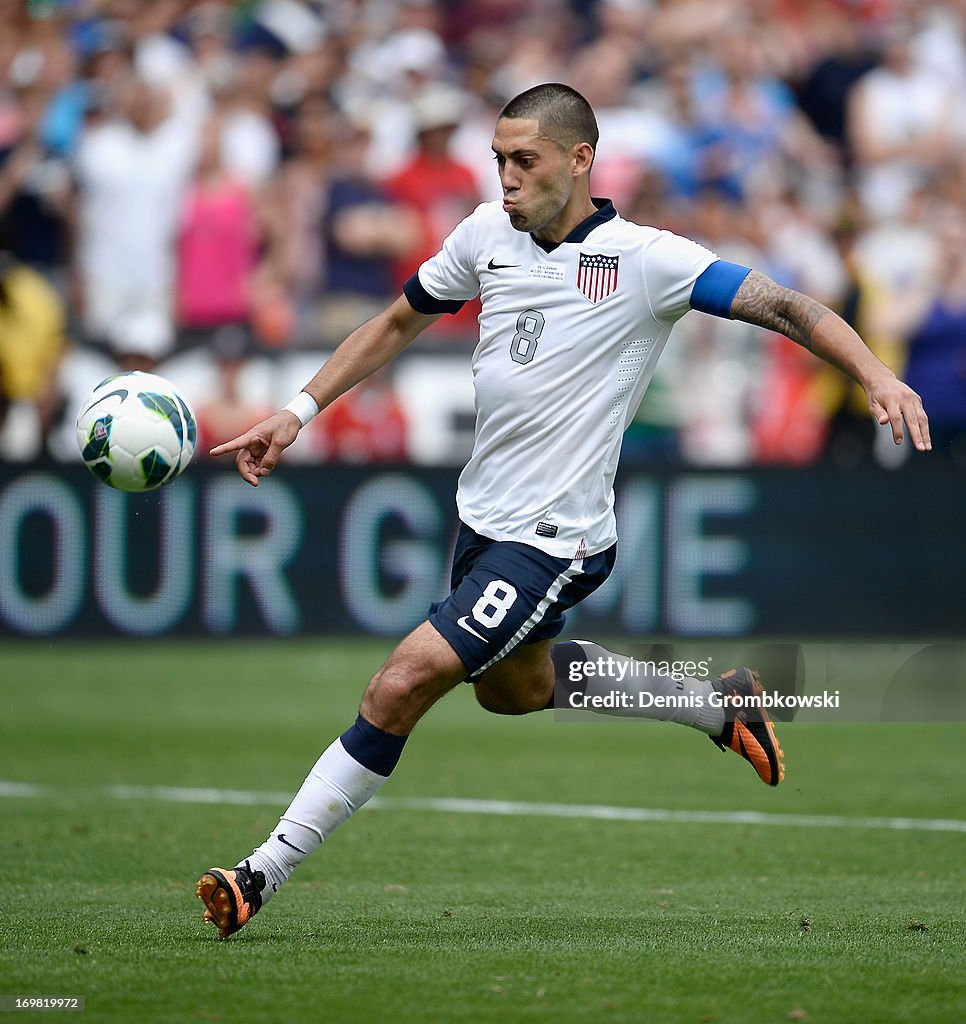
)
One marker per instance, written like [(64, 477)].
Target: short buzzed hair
[(564, 116)]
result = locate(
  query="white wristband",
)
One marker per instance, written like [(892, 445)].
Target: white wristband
[(304, 406)]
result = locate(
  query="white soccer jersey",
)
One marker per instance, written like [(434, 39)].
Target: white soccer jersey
[(569, 337)]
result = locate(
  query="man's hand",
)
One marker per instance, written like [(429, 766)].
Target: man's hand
[(259, 448), (892, 401), (761, 301)]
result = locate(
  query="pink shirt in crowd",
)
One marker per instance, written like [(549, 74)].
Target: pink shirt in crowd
[(217, 252)]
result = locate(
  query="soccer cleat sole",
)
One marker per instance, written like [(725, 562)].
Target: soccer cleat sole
[(752, 736), (771, 770), (749, 747), (224, 906)]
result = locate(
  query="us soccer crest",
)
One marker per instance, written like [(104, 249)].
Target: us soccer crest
[(597, 275)]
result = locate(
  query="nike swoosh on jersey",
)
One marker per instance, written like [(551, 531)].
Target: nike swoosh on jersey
[(501, 266), (463, 624)]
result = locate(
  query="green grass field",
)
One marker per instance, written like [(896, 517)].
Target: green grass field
[(429, 915)]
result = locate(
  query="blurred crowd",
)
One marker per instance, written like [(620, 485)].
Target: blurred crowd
[(240, 182)]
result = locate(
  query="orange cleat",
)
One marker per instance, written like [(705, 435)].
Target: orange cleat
[(748, 730), (232, 897)]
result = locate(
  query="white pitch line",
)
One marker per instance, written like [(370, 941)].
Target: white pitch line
[(605, 813), (187, 795), (453, 805), (24, 789)]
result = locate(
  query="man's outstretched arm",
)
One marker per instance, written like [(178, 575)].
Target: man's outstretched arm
[(367, 348), (761, 301)]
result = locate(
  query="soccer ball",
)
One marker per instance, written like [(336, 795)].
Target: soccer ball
[(136, 431)]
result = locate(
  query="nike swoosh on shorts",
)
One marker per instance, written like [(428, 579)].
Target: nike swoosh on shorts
[(463, 624)]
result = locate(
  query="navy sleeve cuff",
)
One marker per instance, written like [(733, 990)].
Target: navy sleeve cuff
[(715, 289), (423, 302)]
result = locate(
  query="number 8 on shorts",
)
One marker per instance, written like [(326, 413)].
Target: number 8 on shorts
[(492, 607)]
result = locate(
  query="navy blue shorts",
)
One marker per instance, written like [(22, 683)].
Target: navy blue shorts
[(506, 593)]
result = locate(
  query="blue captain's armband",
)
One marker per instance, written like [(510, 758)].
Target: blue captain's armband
[(715, 289)]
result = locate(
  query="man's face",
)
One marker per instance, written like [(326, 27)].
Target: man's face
[(536, 174)]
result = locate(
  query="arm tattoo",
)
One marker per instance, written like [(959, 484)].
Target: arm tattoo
[(760, 301)]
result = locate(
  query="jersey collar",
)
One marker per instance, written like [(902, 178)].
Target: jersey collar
[(605, 212)]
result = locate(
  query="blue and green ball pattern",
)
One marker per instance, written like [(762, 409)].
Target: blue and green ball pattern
[(136, 432)]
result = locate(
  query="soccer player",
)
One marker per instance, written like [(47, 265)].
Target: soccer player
[(577, 307)]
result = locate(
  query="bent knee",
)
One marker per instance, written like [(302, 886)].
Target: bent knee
[(402, 685), (502, 702)]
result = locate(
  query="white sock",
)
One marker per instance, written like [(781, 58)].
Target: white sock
[(334, 789), (640, 692)]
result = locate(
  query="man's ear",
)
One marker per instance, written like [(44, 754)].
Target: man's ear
[(583, 157)]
